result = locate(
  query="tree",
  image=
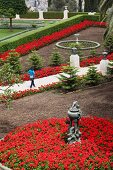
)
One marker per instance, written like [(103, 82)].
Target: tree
[(91, 5), (72, 5), (7, 77), (10, 8), (36, 60), (69, 80), (57, 5), (106, 7)]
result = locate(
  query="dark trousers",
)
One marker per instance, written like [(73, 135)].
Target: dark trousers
[(32, 82)]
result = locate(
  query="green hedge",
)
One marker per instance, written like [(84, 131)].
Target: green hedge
[(29, 15), (51, 15), (35, 34)]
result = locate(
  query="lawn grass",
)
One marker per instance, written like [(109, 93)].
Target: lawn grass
[(6, 32)]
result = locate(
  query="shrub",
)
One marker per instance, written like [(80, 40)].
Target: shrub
[(1, 62), (109, 42), (110, 68), (69, 79), (36, 60), (7, 76), (92, 77), (14, 62), (93, 52), (56, 59)]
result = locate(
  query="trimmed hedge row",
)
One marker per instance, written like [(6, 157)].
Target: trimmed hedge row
[(14, 42), (50, 15)]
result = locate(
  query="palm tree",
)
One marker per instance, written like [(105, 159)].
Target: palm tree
[(106, 7)]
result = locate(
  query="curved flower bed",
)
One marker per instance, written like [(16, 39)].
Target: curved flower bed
[(38, 43), (41, 145)]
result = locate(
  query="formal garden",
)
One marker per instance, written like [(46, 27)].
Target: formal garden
[(35, 124)]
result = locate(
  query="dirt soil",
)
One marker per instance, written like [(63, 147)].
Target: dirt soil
[(97, 101)]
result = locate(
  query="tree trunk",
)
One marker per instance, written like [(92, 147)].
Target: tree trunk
[(10, 26), (80, 5)]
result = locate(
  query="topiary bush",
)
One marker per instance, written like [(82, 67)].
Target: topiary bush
[(68, 79), (55, 59), (36, 60), (14, 62), (92, 77)]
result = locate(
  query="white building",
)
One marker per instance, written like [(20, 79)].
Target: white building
[(37, 5)]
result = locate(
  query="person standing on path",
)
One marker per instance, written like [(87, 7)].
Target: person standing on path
[(31, 73)]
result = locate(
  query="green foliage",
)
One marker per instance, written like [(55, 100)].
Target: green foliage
[(30, 14), (69, 80), (93, 52), (14, 62), (109, 42), (7, 77), (75, 45), (110, 68), (7, 99), (50, 14), (91, 5), (80, 53), (72, 5), (92, 78), (36, 60), (56, 59), (57, 5), (7, 74), (1, 62), (10, 8), (18, 7)]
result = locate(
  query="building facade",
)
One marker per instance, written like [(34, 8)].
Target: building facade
[(37, 5)]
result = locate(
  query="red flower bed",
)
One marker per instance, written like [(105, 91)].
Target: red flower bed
[(44, 72), (41, 145), (28, 92), (38, 43), (94, 60), (55, 70)]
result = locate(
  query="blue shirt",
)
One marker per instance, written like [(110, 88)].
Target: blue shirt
[(31, 73)]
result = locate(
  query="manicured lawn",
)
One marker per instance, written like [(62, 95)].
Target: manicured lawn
[(7, 32)]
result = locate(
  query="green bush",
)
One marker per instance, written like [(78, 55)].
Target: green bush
[(36, 60), (93, 52), (55, 59), (52, 14), (14, 62), (92, 78), (108, 43), (32, 15), (69, 80), (110, 68), (1, 62)]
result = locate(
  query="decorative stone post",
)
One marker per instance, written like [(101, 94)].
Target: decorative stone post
[(65, 13), (17, 16), (41, 15), (74, 58), (104, 64), (74, 114)]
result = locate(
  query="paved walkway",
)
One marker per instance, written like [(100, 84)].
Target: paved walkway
[(42, 81)]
